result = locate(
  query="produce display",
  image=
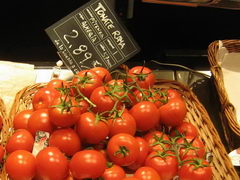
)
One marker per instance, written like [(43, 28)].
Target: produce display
[(111, 126)]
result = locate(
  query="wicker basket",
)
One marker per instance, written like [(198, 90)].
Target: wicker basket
[(228, 115), (222, 166), (4, 131)]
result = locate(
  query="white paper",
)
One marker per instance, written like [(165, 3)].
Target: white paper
[(13, 78), (231, 77), (235, 157)]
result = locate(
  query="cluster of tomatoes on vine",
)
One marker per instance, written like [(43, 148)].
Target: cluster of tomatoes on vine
[(104, 128)]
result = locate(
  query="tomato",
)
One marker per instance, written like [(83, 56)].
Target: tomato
[(103, 73), (83, 105), (190, 147), (197, 169), (39, 121), (173, 112), (165, 163), (146, 115), (87, 164), (102, 100), (157, 140), (57, 83), (20, 120), (116, 88), (64, 112), (92, 128), (86, 81), (51, 164), (186, 128), (21, 165), (123, 124), (114, 172), (143, 76), (21, 139), (147, 173), (172, 94), (151, 95), (2, 152), (143, 153), (67, 140), (43, 98), (122, 149)]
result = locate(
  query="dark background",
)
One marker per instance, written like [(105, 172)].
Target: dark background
[(174, 34)]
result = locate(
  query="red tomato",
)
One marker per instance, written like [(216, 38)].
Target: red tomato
[(147, 95), (157, 140), (116, 88), (147, 173), (20, 121), (1, 122), (102, 100), (165, 163), (64, 112), (87, 164), (103, 73), (21, 139), (173, 112), (21, 165), (197, 169), (143, 76), (114, 172), (186, 128), (39, 121), (143, 153), (92, 128), (52, 164), (172, 94), (57, 83), (146, 115), (2, 153), (123, 124), (67, 140), (86, 81), (83, 105), (122, 149), (191, 147), (43, 98)]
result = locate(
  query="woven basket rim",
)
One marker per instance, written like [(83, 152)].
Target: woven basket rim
[(3, 114), (232, 45), (208, 131)]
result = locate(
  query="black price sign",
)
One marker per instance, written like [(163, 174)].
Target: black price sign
[(92, 36)]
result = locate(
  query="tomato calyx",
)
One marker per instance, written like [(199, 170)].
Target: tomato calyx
[(163, 154), (65, 105), (141, 76), (118, 91), (188, 146), (177, 136), (109, 164), (123, 150), (196, 162), (86, 79), (160, 141), (98, 118), (80, 95)]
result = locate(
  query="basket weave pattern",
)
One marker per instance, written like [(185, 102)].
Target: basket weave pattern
[(197, 115), (4, 131), (229, 118)]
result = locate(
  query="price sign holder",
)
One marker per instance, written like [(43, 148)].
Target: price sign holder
[(92, 36)]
